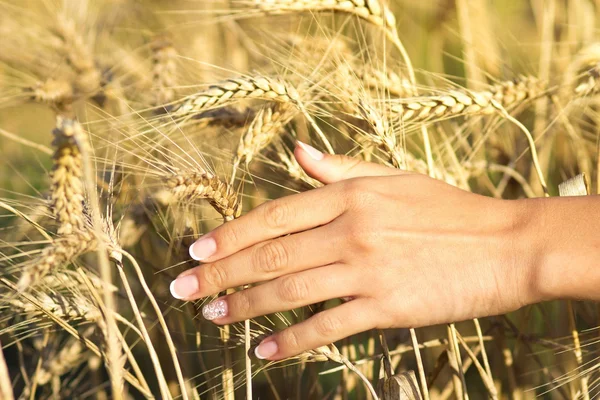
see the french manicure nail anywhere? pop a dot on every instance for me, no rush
(184, 287)
(215, 309)
(266, 350)
(311, 151)
(203, 248)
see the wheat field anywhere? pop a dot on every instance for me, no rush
(129, 128)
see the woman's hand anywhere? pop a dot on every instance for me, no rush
(408, 250)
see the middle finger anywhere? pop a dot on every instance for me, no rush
(285, 293)
(261, 262)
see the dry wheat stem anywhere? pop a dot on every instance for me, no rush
(161, 320)
(421, 369)
(5, 386)
(73, 332)
(163, 386)
(484, 355)
(488, 382)
(103, 243)
(331, 353)
(191, 186)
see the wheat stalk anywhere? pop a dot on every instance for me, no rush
(331, 353)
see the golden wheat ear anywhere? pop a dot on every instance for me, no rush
(193, 186)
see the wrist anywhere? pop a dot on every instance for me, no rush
(526, 248)
(560, 235)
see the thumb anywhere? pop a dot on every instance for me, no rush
(329, 168)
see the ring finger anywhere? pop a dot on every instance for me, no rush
(261, 262)
(285, 293)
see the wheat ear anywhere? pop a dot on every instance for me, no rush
(56, 93)
(388, 81)
(67, 198)
(55, 256)
(265, 127)
(372, 11)
(79, 55)
(382, 133)
(456, 103)
(268, 124)
(69, 357)
(67, 186)
(163, 70)
(223, 93)
(192, 186)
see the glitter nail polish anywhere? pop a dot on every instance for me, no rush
(215, 309)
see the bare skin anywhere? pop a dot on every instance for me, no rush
(409, 251)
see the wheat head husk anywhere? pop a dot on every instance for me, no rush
(221, 196)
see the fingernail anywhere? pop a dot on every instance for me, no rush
(184, 287)
(203, 248)
(266, 350)
(312, 152)
(215, 309)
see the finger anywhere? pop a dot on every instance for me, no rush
(285, 293)
(275, 218)
(329, 168)
(262, 262)
(319, 330)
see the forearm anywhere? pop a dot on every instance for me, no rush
(564, 236)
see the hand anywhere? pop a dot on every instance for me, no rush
(408, 250)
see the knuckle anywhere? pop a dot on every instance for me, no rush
(240, 304)
(289, 339)
(327, 326)
(357, 192)
(293, 289)
(271, 257)
(361, 236)
(276, 214)
(215, 275)
(229, 234)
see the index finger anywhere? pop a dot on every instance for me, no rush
(291, 214)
